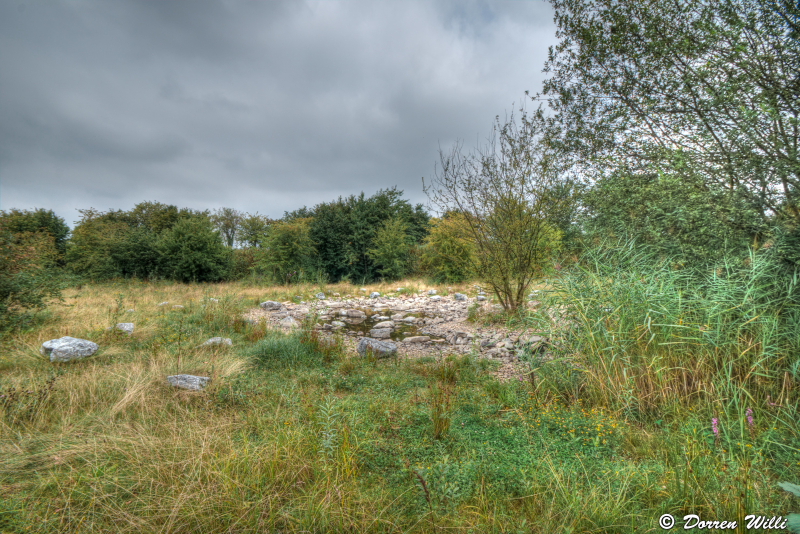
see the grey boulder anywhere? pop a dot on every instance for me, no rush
(374, 295)
(125, 327)
(68, 348)
(191, 382)
(460, 296)
(417, 339)
(320, 296)
(270, 305)
(381, 333)
(381, 349)
(384, 324)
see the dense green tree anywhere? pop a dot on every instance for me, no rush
(675, 217)
(288, 254)
(706, 92)
(120, 243)
(253, 230)
(391, 249)
(192, 251)
(344, 231)
(448, 253)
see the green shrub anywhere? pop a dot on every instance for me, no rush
(193, 251)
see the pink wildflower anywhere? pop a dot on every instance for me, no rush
(715, 426)
(750, 417)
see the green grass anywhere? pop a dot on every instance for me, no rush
(296, 434)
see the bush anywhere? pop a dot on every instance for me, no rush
(448, 254)
(28, 277)
(392, 249)
(192, 251)
(289, 252)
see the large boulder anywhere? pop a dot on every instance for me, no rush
(460, 296)
(68, 348)
(270, 305)
(356, 314)
(191, 382)
(381, 349)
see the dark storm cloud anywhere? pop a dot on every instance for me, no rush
(257, 105)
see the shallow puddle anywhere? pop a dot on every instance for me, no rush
(362, 326)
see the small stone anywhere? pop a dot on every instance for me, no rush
(337, 324)
(431, 292)
(384, 324)
(219, 341)
(397, 317)
(374, 295)
(436, 298)
(289, 322)
(480, 298)
(410, 320)
(177, 307)
(364, 289)
(417, 339)
(381, 349)
(211, 299)
(125, 327)
(130, 311)
(68, 348)
(163, 303)
(320, 296)
(381, 333)
(460, 296)
(355, 313)
(191, 382)
(270, 305)
(400, 289)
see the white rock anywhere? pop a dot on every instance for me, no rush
(431, 292)
(125, 327)
(436, 298)
(417, 339)
(219, 341)
(384, 324)
(289, 322)
(68, 348)
(191, 382)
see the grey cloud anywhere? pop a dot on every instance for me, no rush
(259, 105)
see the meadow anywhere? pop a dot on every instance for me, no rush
(654, 401)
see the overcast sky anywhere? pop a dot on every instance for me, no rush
(259, 105)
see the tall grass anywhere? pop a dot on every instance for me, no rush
(646, 336)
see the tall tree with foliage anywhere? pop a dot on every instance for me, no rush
(391, 249)
(508, 193)
(228, 222)
(288, 252)
(448, 253)
(703, 90)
